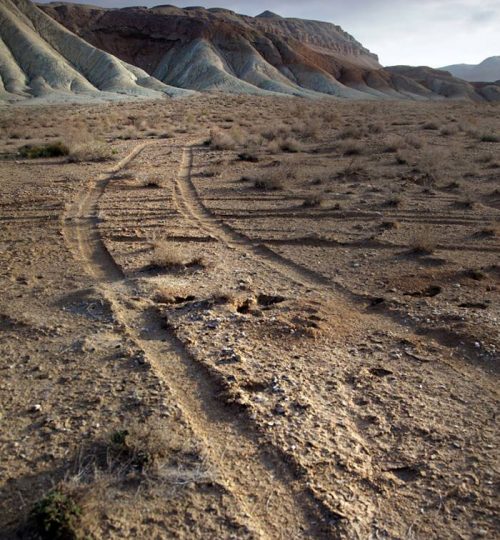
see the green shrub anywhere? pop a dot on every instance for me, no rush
(54, 149)
(56, 516)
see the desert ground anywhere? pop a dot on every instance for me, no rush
(245, 317)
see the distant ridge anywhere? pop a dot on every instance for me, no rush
(487, 71)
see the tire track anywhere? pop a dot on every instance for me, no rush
(272, 501)
(190, 204)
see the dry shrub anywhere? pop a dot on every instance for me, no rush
(350, 133)
(430, 126)
(138, 447)
(352, 171)
(154, 182)
(172, 295)
(375, 127)
(395, 202)
(169, 256)
(228, 140)
(430, 164)
(313, 201)
(392, 144)
(275, 179)
(446, 131)
(278, 131)
(221, 140)
(415, 141)
(288, 144)
(88, 148)
(423, 242)
(351, 148)
(403, 157)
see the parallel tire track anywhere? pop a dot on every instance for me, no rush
(272, 501)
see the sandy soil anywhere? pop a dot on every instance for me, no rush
(316, 355)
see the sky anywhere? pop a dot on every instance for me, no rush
(434, 33)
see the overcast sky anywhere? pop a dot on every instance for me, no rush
(415, 32)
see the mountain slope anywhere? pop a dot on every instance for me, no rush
(217, 49)
(59, 50)
(487, 71)
(41, 58)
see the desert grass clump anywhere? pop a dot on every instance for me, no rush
(350, 133)
(414, 141)
(430, 126)
(287, 144)
(55, 149)
(250, 156)
(90, 150)
(467, 202)
(490, 231)
(395, 202)
(137, 447)
(221, 140)
(352, 171)
(172, 295)
(423, 242)
(274, 179)
(270, 183)
(447, 131)
(392, 145)
(388, 225)
(154, 182)
(351, 148)
(168, 256)
(489, 137)
(403, 157)
(313, 201)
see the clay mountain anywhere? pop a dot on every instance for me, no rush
(487, 70)
(63, 49)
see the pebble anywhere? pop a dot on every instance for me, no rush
(36, 408)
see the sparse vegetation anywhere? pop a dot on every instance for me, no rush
(56, 516)
(313, 201)
(55, 149)
(90, 150)
(489, 137)
(168, 256)
(423, 242)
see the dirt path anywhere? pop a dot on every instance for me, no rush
(270, 498)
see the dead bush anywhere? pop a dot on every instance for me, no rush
(287, 144)
(392, 145)
(351, 148)
(90, 150)
(274, 179)
(350, 133)
(313, 201)
(423, 242)
(168, 256)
